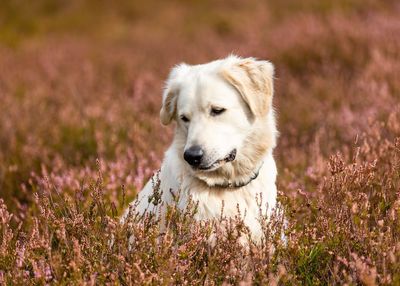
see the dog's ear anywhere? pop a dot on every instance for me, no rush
(253, 79)
(170, 94)
(168, 108)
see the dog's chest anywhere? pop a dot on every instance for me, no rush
(211, 203)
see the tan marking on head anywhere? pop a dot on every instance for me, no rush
(254, 81)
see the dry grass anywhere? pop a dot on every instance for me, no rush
(80, 93)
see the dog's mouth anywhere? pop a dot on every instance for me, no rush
(229, 158)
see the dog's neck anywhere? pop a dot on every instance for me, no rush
(232, 184)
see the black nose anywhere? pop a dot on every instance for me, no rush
(193, 155)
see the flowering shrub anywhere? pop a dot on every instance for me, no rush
(80, 87)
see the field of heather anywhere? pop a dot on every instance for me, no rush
(80, 93)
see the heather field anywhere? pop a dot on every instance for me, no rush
(80, 93)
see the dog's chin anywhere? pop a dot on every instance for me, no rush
(218, 163)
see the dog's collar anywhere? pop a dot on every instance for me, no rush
(236, 185)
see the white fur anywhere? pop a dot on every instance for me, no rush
(244, 87)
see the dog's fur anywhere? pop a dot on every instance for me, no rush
(244, 87)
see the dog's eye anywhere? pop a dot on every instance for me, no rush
(184, 118)
(217, 111)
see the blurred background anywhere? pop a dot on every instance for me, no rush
(82, 80)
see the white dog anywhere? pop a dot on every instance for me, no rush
(221, 155)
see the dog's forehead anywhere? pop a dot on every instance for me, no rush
(203, 88)
(212, 86)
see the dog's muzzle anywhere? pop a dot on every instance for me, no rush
(229, 158)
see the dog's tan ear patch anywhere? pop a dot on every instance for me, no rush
(168, 108)
(254, 81)
(171, 92)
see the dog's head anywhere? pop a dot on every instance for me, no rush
(224, 115)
